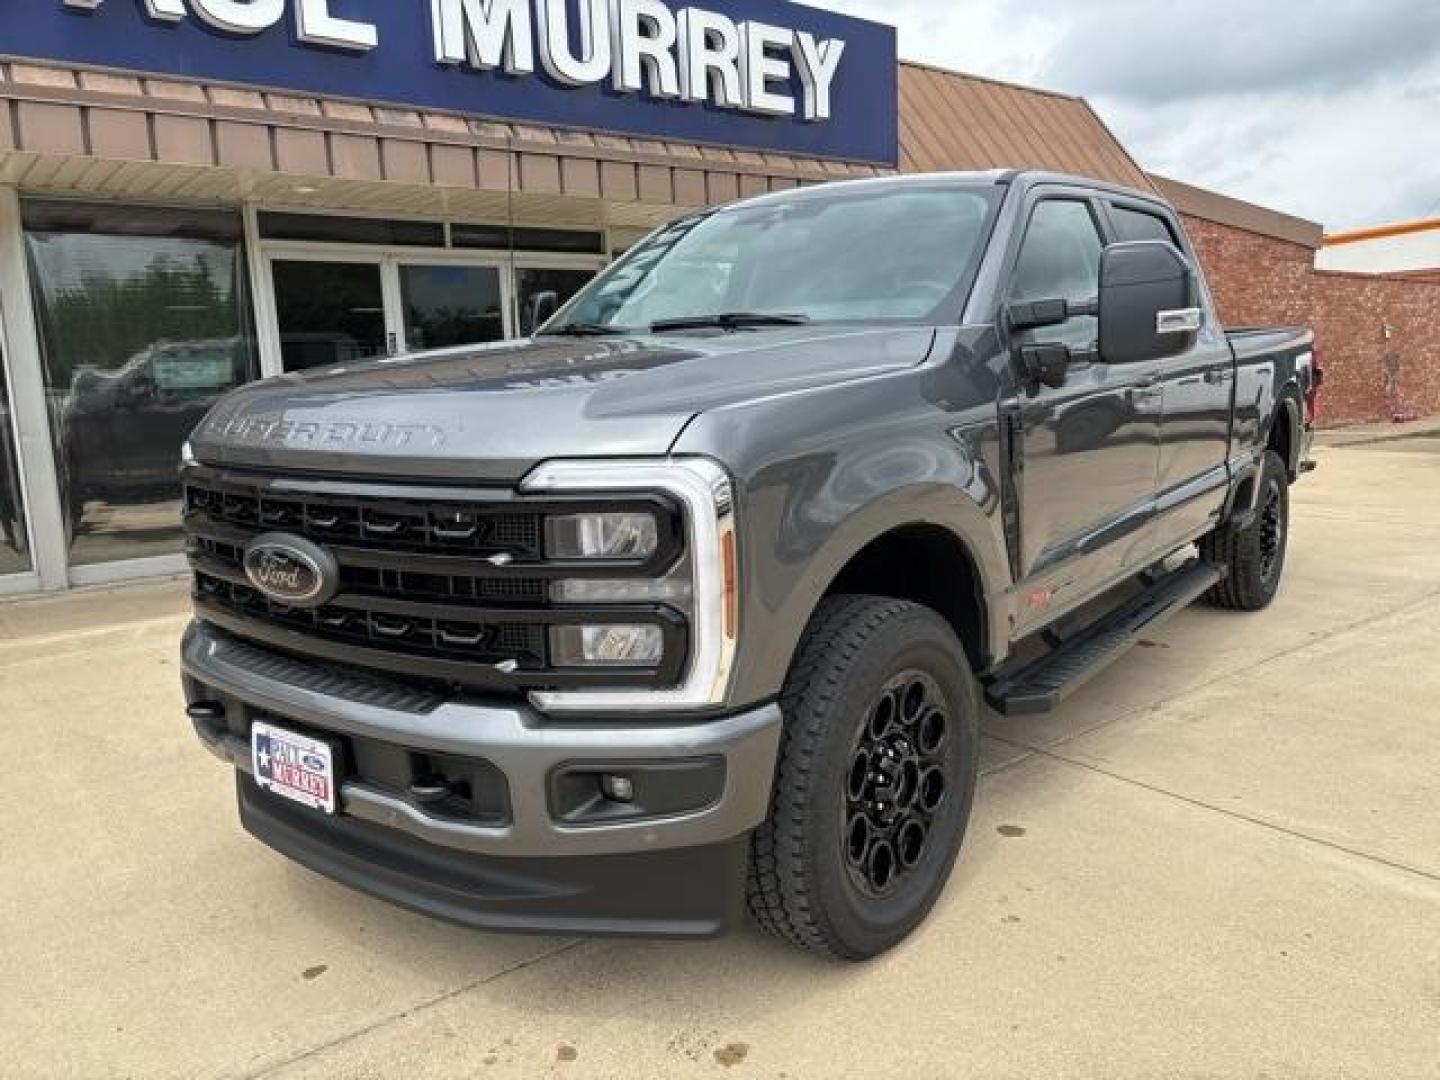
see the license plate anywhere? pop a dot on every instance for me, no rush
(294, 766)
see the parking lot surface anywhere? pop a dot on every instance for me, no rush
(1221, 859)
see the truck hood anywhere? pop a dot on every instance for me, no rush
(493, 412)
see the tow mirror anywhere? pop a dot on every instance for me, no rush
(1148, 302)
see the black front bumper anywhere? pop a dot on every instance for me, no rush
(679, 893)
(522, 857)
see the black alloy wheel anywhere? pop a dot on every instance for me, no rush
(1272, 525)
(1253, 556)
(896, 784)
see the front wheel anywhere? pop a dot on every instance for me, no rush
(1254, 557)
(875, 781)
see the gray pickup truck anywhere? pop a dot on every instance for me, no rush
(696, 597)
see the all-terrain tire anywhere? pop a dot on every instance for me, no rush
(861, 656)
(1254, 557)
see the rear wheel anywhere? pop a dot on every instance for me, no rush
(1254, 557)
(875, 780)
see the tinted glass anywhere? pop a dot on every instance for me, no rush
(41, 215)
(329, 313)
(327, 229)
(14, 546)
(1138, 225)
(531, 283)
(500, 238)
(139, 336)
(450, 305)
(1060, 260)
(888, 253)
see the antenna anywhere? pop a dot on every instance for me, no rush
(512, 168)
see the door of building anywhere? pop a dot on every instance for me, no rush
(337, 304)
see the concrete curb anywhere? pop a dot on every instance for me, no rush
(1371, 434)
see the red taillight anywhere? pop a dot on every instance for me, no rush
(1317, 380)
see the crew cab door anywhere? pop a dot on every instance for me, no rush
(1196, 391)
(1088, 448)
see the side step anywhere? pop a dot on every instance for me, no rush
(1040, 687)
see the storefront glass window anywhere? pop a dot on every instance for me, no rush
(329, 313)
(531, 283)
(14, 549)
(144, 322)
(450, 305)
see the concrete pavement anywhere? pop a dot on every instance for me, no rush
(1220, 859)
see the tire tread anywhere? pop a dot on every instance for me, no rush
(779, 879)
(1238, 551)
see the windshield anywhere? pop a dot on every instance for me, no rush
(892, 253)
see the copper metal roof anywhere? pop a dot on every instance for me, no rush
(953, 121)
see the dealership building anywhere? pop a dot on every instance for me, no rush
(198, 193)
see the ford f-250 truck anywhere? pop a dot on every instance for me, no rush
(698, 595)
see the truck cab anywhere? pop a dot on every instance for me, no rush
(693, 601)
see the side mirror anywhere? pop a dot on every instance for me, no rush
(542, 306)
(1148, 306)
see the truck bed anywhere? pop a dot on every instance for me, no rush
(1253, 341)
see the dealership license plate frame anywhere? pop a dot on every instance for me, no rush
(308, 759)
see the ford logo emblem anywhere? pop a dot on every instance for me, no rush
(291, 570)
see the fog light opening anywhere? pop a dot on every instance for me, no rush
(617, 788)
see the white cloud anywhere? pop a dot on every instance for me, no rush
(1328, 109)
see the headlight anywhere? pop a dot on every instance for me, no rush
(701, 586)
(602, 536)
(606, 646)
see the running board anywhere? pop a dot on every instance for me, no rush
(1040, 687)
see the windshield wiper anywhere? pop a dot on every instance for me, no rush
(586, 329)
(730, 320)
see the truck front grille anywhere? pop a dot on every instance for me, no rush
(435, 584)
(417, 634)
(399, 525)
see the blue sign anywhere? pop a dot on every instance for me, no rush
(759, 74)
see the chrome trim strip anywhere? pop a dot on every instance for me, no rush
(1180, 321)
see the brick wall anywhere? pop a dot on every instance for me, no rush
(1380, 334)
(1381, 337)
(1257, 280)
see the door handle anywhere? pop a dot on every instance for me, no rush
(1217, 377)
(1147, 382)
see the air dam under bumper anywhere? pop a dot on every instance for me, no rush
(675, 875)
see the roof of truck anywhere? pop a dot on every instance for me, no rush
(984, 179)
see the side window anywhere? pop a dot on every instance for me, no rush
(1138, 225)
(1060, 260)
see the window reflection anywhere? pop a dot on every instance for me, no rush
(139, 336)
(330, 314)
(450, 305)
(532, 282)
(14, 547)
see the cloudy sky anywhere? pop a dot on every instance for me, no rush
(1329, 109)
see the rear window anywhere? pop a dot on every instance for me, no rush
(1138, 225)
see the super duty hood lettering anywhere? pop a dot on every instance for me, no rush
(259, 430)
